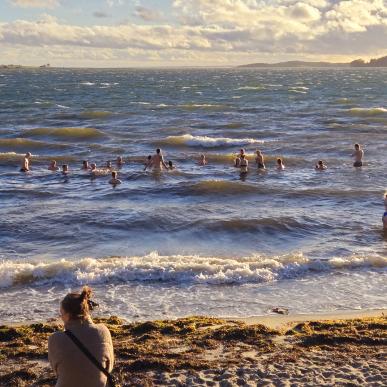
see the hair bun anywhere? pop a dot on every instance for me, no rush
(86, 293)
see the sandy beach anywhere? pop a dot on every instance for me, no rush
(342, 349)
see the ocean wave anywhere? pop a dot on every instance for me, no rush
(27, 144)
(209, 142)
(176, 268)
(219, 186)
(367, 112)
(66, 133)
(95, 114)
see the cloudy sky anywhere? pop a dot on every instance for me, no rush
(119, 33)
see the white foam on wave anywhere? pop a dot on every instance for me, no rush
(250, 88)
(210, 142)
(88, 83)
(176, 268)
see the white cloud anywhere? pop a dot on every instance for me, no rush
(147, 14)
(35, 3)
(218, 31)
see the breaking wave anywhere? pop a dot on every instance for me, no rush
(209, 142)
(177, 268)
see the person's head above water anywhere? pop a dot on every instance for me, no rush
(93, 166)
(258, 152)
(28, 155)
(149, 157)
(65, 168)
(120, 160)
(53, 164)
(320, 162)
(158, 151)
(114, 175)
(170, 163)
(242, 151)
(85, 164)
(77, 306)
(357, 146)
(279, 161)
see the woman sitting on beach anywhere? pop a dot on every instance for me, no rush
(69, 362)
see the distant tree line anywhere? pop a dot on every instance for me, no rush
(380, 62)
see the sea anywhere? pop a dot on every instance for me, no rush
(195, 240)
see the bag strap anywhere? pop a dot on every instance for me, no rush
(90, 356)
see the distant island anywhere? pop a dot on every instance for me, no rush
(12, 66)
(380, 62)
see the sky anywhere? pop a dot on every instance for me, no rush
(152, 33)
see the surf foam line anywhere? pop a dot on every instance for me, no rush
(177, 269)
(209, 142)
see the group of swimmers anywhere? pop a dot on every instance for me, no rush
(157, 162)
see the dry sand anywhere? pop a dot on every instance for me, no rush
(340, 349)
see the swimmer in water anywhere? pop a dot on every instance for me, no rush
(120, 161)
(358, 155)
(259, 160)
(53, 166)
(85, 165)
(25, 167)
(202, 161)
(65, 169)
(280, 165)
(237, 160)
(244, 163)
(158, 161)
(148, 162)
(114, 180)
(320, 166)
(171, 167)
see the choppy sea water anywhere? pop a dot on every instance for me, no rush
(197, 240)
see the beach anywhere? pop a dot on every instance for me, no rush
(343, 349)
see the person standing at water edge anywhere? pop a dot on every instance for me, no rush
(25, 167)
(158, 160)
(358, 155)
(260, 160)
(71, 366)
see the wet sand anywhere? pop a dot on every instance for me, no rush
(341, 349)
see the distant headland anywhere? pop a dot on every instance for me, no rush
(12, 66)
(380, 62)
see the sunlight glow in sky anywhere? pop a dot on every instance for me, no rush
(125, 33)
